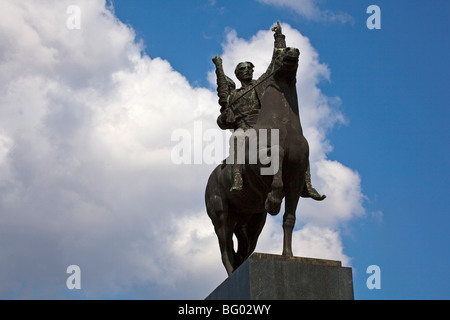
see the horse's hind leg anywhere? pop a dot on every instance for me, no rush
(242, 248)
(218, 212)
(254, 229)
(224, 231)
(247, 236)
(225, 236)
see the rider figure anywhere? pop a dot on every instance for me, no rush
(240, 107)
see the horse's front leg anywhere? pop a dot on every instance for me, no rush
(275, 196)
(291, 202)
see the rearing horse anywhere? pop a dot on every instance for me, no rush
(244, 213)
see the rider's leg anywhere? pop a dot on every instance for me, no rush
(309, 191)
(237, 152)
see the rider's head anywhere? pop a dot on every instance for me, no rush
(244, 71)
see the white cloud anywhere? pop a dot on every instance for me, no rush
(310, 241)
(86, 175)
(310, 10)
(85, 145)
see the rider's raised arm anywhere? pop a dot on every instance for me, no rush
(224, 84)
(279, 43)
(280, 38)
(225, 88)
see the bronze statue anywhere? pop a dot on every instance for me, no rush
(240, 108)
(238, 196)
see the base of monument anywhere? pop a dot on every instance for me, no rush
(273, 277)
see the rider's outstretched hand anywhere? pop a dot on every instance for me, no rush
(217, 60)
(277, 28)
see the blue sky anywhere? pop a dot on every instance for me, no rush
(393, 84)
(85, 142)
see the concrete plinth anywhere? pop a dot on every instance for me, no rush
(273, 277)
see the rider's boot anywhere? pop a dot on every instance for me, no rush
(309, 191)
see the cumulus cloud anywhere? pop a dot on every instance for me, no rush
(310, 10)
(85, 142)
(310, 241)
(86, 174)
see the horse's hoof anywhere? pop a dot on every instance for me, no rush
(272, 205)
(287, 253)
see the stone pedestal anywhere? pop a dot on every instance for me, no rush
(273, 277)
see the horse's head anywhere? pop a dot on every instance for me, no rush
(287, 64)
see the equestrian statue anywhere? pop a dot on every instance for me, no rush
(269, 156)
